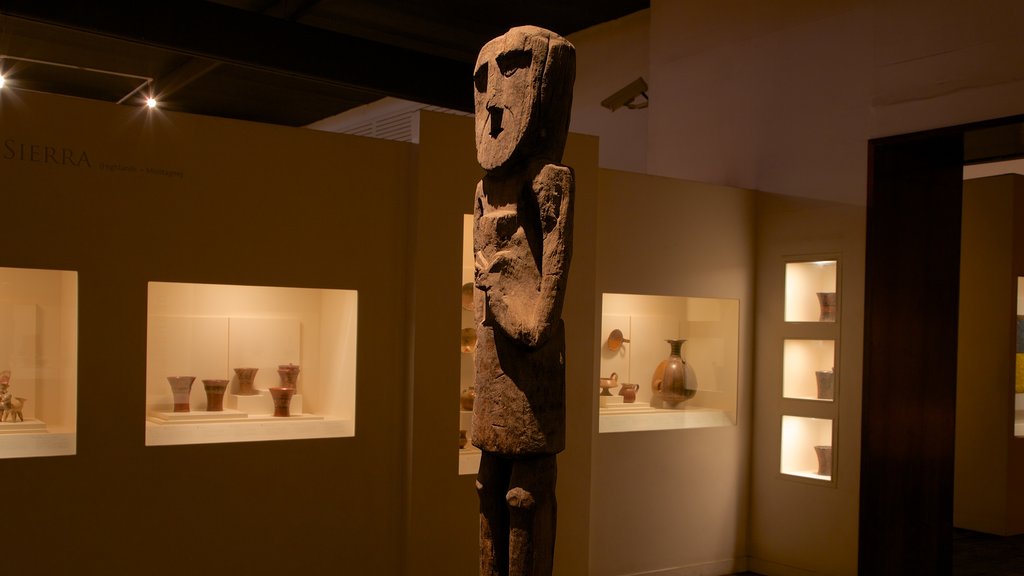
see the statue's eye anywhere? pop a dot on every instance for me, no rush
(480, 78)
(511, 62)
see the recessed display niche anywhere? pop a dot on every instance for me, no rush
(808, 369)
(469, 455)
(667, 362)
(811, 291)
(231, 363)
(38, 362)
(807, 447)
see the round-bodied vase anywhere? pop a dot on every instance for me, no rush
(282, 396)
(628, 392)
(246, 378)
(215, 394)
(467, 397)
(678, 381)
(181, 388)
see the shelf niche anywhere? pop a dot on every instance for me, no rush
(710, 327)
(208, 330)
(807, 447)
(808, 370)
(39, 355)
(809, 285)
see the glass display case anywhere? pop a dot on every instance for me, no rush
(807, 447)
(38, 362)
(667, 362)
(248, 363)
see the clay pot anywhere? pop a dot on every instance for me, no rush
(246, 377)
(463, 440)
(181, 387)
(467, 397)
(616, 340)
(282, 396)
(678, 380)
(824, 454)
(467, 296)
(606, 384)
(468, 340)
(826, 384)
(289, 374)
(215, 394)
(628, 393)
(827, 304)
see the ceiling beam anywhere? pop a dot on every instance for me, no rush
(243, 38)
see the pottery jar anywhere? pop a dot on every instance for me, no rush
(181, 388)
(282, 396)
(215, 394)
(246, 377)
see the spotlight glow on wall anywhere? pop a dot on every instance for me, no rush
(2, 80)
(151, 102)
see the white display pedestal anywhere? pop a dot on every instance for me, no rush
(23, 426)
(260, 403)
(610, 400)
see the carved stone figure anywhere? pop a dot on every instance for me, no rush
(522, 243)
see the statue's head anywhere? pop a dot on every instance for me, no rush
(523, 98)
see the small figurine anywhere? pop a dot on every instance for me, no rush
(10, 407)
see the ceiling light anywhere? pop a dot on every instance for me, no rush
(151, 102)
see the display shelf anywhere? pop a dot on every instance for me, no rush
(808, 369)
(810, 291)
(302, 338)
(38, 362)
(469, 457)
(635, 348)
(807, 448)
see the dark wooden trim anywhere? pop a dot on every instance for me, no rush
(910, 334)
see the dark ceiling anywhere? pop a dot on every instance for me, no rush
(287, 62)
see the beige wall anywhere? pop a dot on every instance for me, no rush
(674, 501)
(238, 203)
(782, 96)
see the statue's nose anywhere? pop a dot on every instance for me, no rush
(496, 114)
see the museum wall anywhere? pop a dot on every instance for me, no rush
(801, 522)
(783, 96)
(609, 57)
(128, 197)
(674, 501)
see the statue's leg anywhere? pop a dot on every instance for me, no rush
(532, 515)
(491, 485)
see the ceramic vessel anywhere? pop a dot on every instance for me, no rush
(467, 296)
(181, 387)
(616, 340)
(282, 396)
(824, 454)
(826, 384)
(246, 377)
(678, 381)
(463, 440)
(289, 374)
(215, 394)
(468, 340)
(827, 304)
(606, 384)
(628, 392)
(467, 397)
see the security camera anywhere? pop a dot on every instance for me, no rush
(628, 96)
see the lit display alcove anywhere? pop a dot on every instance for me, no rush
(635, 330)
(811, 291)
(807, 447)
(207, 331)
(808, 369)
(38, 362)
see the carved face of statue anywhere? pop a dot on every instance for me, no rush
(507, 80)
